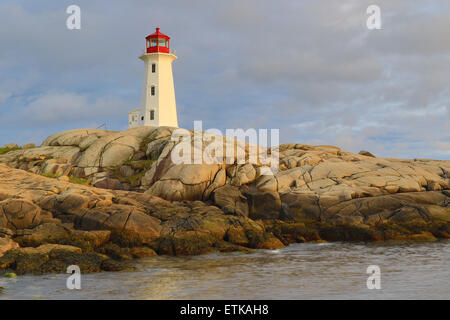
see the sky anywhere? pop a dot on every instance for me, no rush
(310, 68)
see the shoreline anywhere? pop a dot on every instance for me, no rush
(303, 271)
(67, 201)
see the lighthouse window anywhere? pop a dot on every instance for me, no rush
(152, 114)
(153, 68)
(148, 43)
(153, 90)
(162, 42)
(153, 43)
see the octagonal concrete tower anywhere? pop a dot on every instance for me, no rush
(158, 106)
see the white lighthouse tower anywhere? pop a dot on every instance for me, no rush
(158, 107)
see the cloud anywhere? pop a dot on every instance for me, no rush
(54, 107)
(4, 96)
(310, 68)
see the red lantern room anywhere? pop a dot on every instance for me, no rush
(157, 42)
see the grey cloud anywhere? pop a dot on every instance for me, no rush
(310, 68)
(69, 107)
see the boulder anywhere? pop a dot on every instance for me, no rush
(45, 233)
(366, 153)
(424, 236)
(264, 205)
(75, 137)
(28, 146)
(108, 183)
(10, 146)
(237, 235)
(7, 244)
(230, 199)
(160, 133)
(112, 265)
(138, 228)
(19, 214)
(266, 183)
(299, 206)
(118, 151)
(109, 151)
(142, 252)
(219, 181)
(65, 153)
(87, 240)
(182, 182)
(155, 148)
(38, 260)
(244, 174)
(66, 202)
(398, 207)
(128, 224)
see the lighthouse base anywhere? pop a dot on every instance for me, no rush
(134, 119)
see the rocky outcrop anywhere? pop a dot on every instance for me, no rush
(108, 224)
(118, 191)
(51, 258)
(140, 159)
(11, 145)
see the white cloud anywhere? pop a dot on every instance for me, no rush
(66, 107)
(256, 63)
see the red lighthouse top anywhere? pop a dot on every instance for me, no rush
(157, 42)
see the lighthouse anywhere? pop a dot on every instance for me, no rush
(158, 106)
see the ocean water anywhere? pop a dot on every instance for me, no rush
(300, 271)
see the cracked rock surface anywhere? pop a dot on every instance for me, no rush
(116, 194)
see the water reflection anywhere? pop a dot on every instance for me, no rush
(300, 271)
